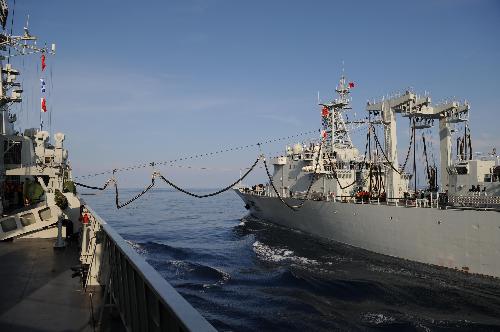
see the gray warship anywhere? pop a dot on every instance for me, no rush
(63, 268)
(330, 189)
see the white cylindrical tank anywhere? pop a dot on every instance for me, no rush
(59, 139)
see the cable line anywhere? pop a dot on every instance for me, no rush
(157, 175)
(139, 166)
(170, 183)
(390, 162)
(119, 206)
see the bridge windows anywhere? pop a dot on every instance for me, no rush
(27, 219)
(8, 225)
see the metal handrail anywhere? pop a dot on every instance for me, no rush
(170, 310)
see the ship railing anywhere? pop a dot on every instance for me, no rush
(431, 202)
(143, 298)
(474, 201)
(427, 202)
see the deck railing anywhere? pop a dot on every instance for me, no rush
(144, 299)
(475, 200)
(454, 202)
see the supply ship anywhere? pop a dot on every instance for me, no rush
(63, 268)
(368, 199)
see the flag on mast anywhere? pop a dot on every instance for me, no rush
(43, 62)
(324, 111)
(42, 85)
(43, 105)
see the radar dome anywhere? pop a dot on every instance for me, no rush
(297, 148)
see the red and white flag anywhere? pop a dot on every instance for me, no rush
(43, 62)
(351, 85)
(324, 111)
(43, 105)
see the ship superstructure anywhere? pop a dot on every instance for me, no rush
(94, 280)
(368, 198)
(35, 176)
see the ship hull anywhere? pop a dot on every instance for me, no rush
(467, 240)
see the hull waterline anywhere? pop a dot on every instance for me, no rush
(452, 238)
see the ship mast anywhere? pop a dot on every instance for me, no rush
(335, 131)
(20, 46)
(10, 90)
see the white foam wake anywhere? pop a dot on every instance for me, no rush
(278, 255)
(138, 248)
(378, 318)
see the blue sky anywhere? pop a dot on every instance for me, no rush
(157, 80)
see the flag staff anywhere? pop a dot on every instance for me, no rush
(43, 102)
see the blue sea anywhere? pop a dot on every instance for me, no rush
(244, 274)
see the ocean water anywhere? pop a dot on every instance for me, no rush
(250, 275)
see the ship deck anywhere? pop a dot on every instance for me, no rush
(37, 292)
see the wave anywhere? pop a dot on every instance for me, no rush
(279, 255)
(159, 251)
(377, 318)
(137, 247)
(195, 275)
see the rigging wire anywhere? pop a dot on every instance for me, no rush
(208, 154)
(157, 174)
(50, 97)
(12, 25)
(427, 169)
(414, 157)
(387, 159)
(117, 202)
(170, 163)
(170, 183)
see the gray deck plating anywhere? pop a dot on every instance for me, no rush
(37, 292)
